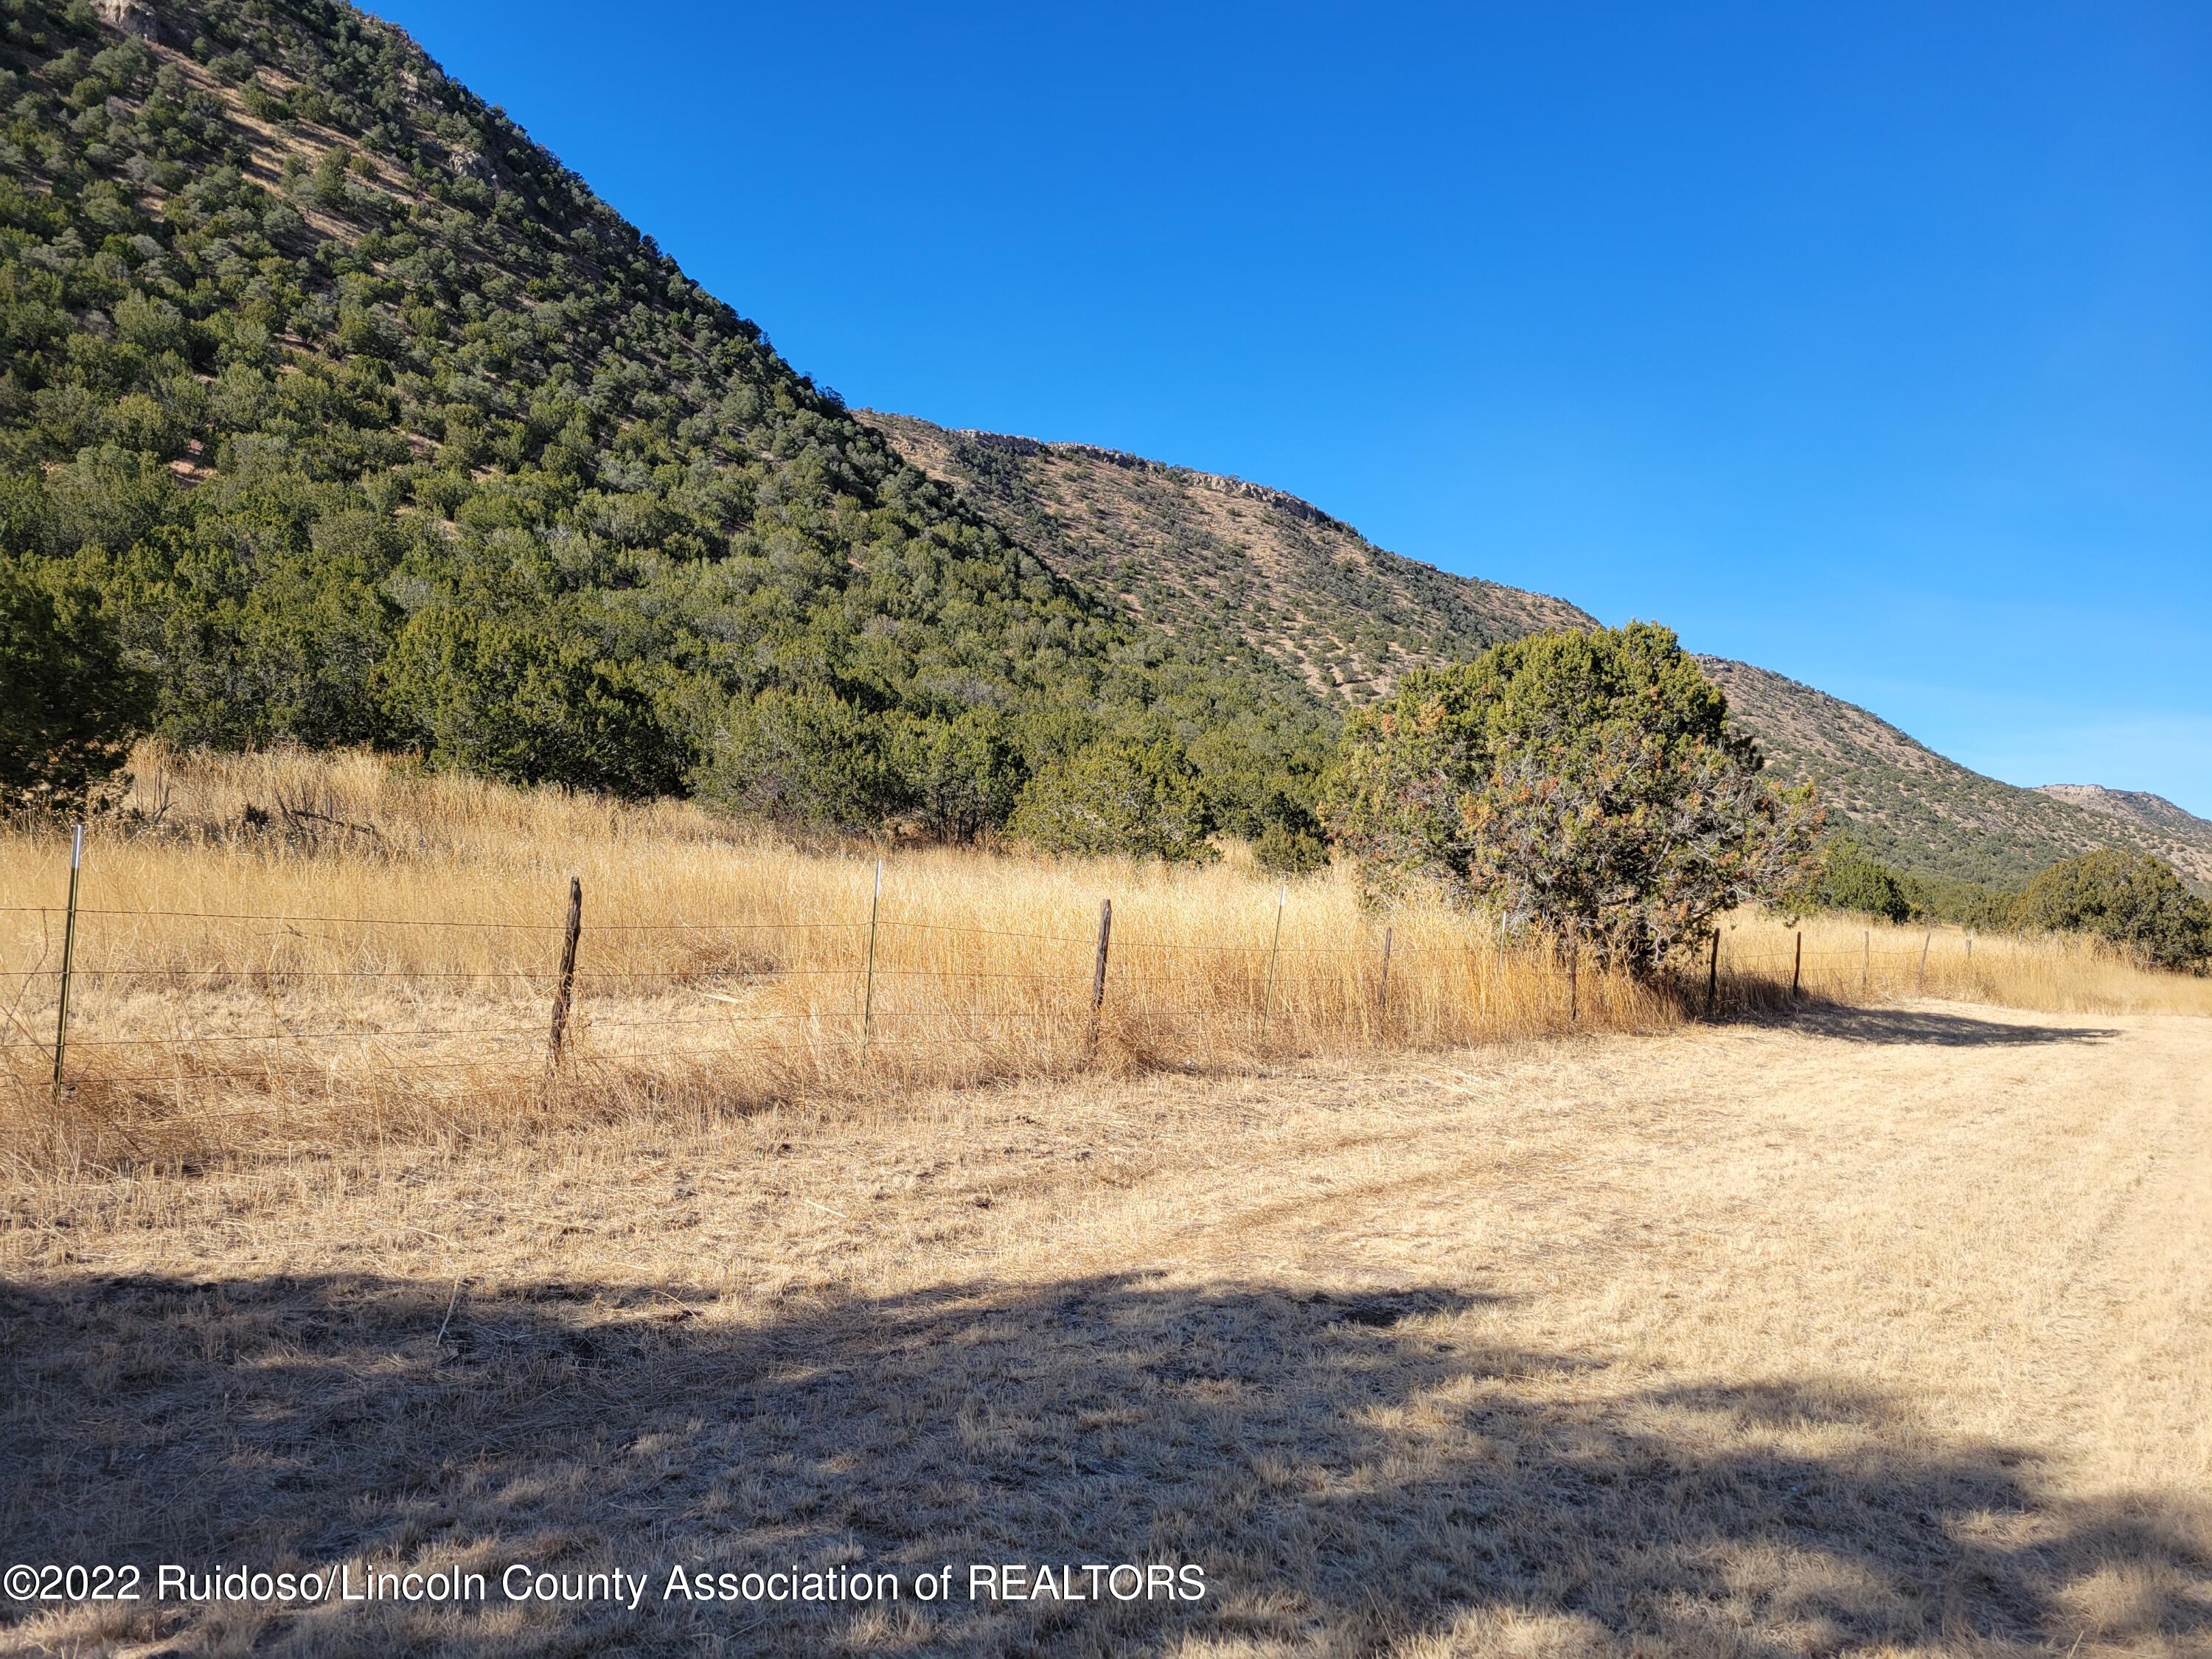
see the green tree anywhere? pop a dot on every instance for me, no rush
(2137, 902)
(1120, 795)
(800, 757)
(1280, 850)
(1848, 879)
(959, 776)
(68, 705)
(529, 699)
(1573, 780)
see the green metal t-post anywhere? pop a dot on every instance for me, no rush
(868, 994)
(1267, 994)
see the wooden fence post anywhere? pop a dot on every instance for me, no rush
(1798, 965)
(1267, 993)
(1866, 966)
(868, 991)
(565, 985)
(68, 959)
(1922, 983)
(1970, 945)
(1713, 969)
(1098, 967)
(1382, 993)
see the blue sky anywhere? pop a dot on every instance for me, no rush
(1872, 344)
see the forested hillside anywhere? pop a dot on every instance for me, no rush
(367, 421)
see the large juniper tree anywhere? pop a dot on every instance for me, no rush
(1574, 781)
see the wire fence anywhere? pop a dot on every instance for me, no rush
(756, 986)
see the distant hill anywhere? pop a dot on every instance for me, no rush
(2190, 834)
(1914, 809)
(1211, 557)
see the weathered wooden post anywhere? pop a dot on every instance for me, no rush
(1866, 966)
(565, 982)
(1797, 966)
(68, 959)
(1382, 992)
(1098, 967)
(1713, 969)
(1921, 984)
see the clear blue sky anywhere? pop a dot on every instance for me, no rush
(1871, 343)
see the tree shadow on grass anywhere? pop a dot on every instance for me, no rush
(1354, 1474)
(1927, 1027)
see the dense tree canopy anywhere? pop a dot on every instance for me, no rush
(69, 706)
(1573, 780)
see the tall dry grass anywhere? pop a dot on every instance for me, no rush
(277, 949)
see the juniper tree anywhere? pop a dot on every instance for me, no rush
(1583, 781)
(2132, 899)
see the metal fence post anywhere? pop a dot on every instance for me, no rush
(868, 994)
(1267, 993)
(1574, 989)
(69, 958)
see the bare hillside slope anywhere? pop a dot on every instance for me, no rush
(1197, 554)
(2133, 806)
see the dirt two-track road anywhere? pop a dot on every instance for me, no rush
(1878, 1331)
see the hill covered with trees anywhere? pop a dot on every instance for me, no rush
(364, 421)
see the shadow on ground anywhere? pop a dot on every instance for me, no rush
(1929, 1028)
(1356, 1474)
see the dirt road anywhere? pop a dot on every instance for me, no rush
(1882, 1331)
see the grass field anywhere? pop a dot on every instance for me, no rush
(299, 950)
(1460, 1320)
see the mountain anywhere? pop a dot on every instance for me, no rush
(370, 423)
(1207, 557)
(365, 422)
(1211, 557)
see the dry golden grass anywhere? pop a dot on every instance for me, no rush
(1872, 1331)
(376, 957)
